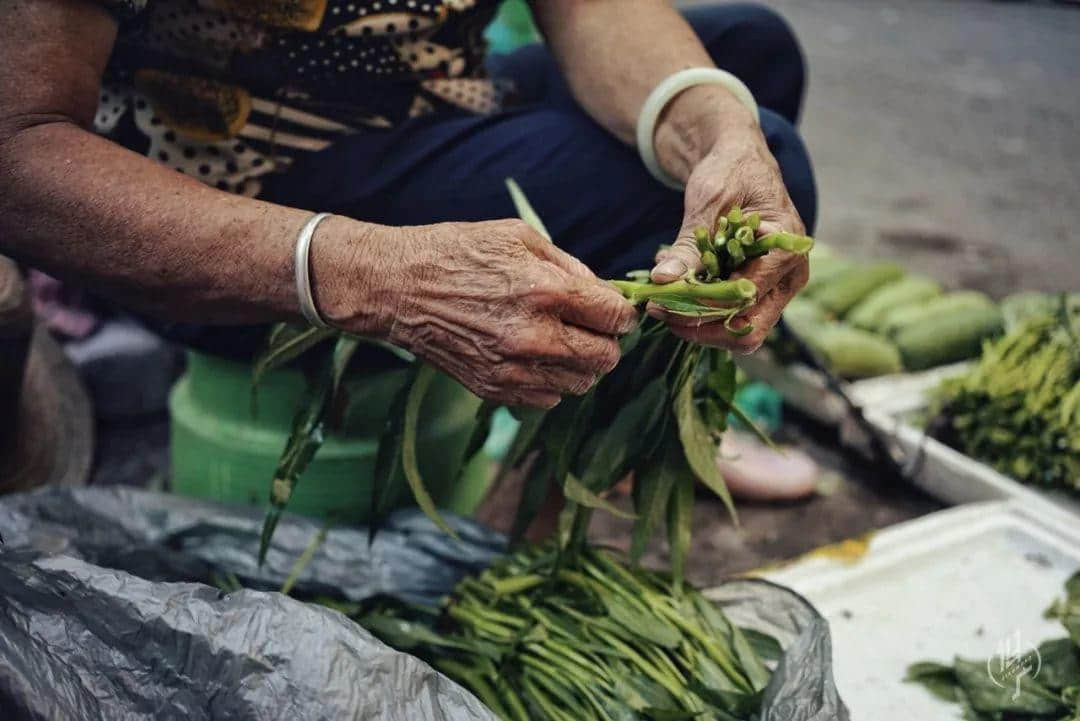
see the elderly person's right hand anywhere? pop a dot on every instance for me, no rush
(494, 304)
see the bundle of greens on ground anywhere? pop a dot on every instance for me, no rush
(1018, 409)
(549, 636)
(1034, 687)
(873, 319)
(657, 415)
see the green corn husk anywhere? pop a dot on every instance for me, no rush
(546, 636)
(849, 352)
(870, 311)
(824, 268)
(1019, 408)
(947, 338)
(801, 311)
(844, 290)
(915, 314)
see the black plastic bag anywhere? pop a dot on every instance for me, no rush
(163, 537)
(80, 642)
(95, 627)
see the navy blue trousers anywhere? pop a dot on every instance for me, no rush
(592, 191)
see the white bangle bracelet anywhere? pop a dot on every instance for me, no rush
(664, 93)
(303, 271)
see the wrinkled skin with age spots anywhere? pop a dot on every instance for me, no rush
(494, 304)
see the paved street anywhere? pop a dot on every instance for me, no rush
(946, 133)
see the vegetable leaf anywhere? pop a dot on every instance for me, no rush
(986, 696)
(680, 521)
(524, 208)
(622, 439)
(534, 491)
(285, 343)
(580, 494)
(305, 439)
(417, 391)
(699, 447)
(389, 477)
(652, 489)
(480, 432)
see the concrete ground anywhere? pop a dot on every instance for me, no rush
(945, 133)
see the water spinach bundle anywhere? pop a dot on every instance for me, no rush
(658, 415)
(545, 636)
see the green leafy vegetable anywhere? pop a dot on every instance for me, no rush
(1027, 687)
(417, 391)
(587, 639)
(1019, 408)
(585, 445)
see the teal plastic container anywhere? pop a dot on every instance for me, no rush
(511, 28)
(221, 452)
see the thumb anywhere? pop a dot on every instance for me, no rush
(674, 262)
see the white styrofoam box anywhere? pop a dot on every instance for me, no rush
(951, 476)
(962, 581)
(887, 403)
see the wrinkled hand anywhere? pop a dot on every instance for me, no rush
(738, 171)
(500, 308)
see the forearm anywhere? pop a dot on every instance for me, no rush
(615, 52)
(84, 208)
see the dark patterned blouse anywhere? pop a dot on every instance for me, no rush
(228, 90)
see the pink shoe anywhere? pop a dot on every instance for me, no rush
(755, 472)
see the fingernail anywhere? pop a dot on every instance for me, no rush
(668, 271)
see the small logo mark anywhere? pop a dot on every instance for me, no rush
(1016, 658)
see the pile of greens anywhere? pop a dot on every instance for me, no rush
(1049, 688)
(548, 636)
(657, 415)
(566, 631)
(1018, 409)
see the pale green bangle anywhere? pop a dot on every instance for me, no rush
(664, 93)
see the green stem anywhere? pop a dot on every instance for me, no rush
(734, 291)
(781, 241)
(517, 584)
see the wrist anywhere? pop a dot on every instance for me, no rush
(695, 122)
(347, 276)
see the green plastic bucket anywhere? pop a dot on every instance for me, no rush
(222, 452)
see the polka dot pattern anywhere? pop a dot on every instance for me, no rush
(184, 29)
(232, 165)
(329, 57)
(358, 64)
(476, 96)
(112, 102)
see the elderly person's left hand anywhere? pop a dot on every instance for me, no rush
(705, 138)
(737, 170)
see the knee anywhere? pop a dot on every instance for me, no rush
(776, 38)
(764, 42)
(766, 27)
(795, 165)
